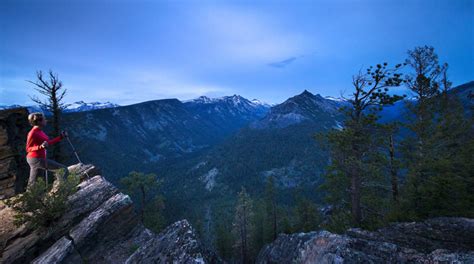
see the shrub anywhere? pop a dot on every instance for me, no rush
(38, 206)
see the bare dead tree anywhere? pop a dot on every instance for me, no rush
(52, 88)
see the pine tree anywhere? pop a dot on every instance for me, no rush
(260, 223)
(224, 239)
(144, 185)
(423, 82)
(243, 227)
(439, 179)
(355, 177)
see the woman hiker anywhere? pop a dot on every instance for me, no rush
(36, 145)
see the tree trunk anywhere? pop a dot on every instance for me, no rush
(56, 130)
(393, 171)
(355, 198)
(355, 172)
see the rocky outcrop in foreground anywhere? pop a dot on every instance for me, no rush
(438, 240)
(100, 226)
(13, 168)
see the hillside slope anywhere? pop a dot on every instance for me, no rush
(150, 134)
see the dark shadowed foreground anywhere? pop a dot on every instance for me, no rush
(437, 240)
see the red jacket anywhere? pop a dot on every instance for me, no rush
(35, 138)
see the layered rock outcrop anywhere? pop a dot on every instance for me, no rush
(13, 167)
(437, 240)
(100, 226)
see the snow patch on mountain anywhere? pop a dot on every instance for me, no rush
(201, 99)
(81, 106)
(235, 100)
(258, 102)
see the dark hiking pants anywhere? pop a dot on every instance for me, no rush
(37, 164)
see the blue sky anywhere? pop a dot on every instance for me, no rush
(132, 51)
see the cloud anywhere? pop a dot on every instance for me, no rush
(283, 63)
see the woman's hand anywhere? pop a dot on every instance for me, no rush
(64, 134)
(44, 145)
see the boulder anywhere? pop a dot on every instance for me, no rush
(176, 244)
(437, 240)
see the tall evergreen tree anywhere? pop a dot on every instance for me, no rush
(143, 185)
(438, 178)
(224, 239)
(355, 173)
(243, 227)
(260, 223)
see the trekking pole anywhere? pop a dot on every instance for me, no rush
(46, 166)
(75, 153)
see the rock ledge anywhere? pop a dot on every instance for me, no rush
(100, 226)
(437, 240)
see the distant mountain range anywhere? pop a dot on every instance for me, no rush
(79, 106)
(205, 149)
(82, 106)
(281, 144)
(209, 147)
(150, 134)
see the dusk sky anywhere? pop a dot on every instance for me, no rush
(133, 51)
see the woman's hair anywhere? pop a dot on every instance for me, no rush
(35, 118)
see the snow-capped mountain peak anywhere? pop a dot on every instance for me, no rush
(259, 102)
(235, 100)
(78, 106)
(81, 106)
(201, 99)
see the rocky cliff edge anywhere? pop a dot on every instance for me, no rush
(100, 226)
(436, 240)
